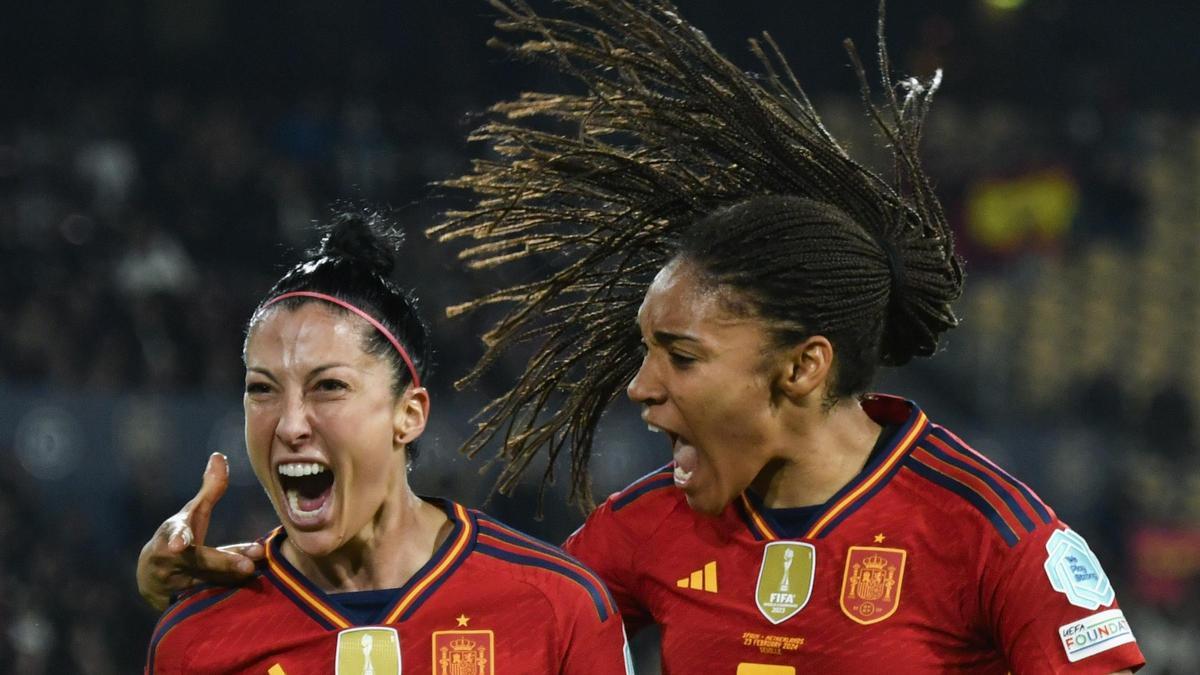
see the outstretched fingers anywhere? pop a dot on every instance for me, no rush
(176, 558)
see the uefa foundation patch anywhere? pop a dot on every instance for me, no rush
(1095, 634)
(1075, 572)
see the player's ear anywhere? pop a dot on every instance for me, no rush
(410, 415)
(805, 369)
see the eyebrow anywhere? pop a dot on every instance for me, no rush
(666, 339)
(315, 371)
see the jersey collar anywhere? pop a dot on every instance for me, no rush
(878, 471)
(327, 612)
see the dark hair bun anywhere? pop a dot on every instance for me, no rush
(923, 296)
(363, 237)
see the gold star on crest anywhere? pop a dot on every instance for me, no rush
(879, 538)
(462, 620)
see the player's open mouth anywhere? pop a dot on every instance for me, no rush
(686, 459)
(684, 453)
(308, 491)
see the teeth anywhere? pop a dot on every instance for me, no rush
(654, 429)
(293, 498)
(296, 469)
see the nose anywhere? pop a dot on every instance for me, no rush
(293, 427)
(645, 387)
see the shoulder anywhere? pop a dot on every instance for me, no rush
(622, 523)
(644, 504)
(193, 610)
(543, 568)
(978, 489)
(650, 491)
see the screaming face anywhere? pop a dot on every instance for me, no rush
(705, 382)
(324, 431)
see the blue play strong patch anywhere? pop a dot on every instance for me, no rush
(1075, 572)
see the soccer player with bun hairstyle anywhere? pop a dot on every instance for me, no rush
(363, 575)
(730, 267)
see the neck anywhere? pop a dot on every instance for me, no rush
(824, 449)
(399, 540)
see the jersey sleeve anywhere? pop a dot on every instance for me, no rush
(609, 543)
(1052, 609)
(173, 633)
(597, 647)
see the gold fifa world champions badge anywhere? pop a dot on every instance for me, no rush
(871, 583)
(785, 579)
(374, 650)
(464, 652)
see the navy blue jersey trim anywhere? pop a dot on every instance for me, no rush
(1036, 504)
(866, 497)
(184, 613)
(597, 594)
(186, 593)
(498, 530)
(971, 496)
(740, 507)
(300, 602)
(495, 528)
(630, 496)
(362, 607)
(445, 575)
(983, 476)
(276, 544)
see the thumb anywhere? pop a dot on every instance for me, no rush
(212, 488)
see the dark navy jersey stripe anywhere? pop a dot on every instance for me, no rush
(364, 607)
(748, 520)
(470, 522)
(597, 595)
(973, 497)
(1036, 504)
(498, 531)
(960, 463)
(502, 532)
(184, 613)
(865, 497)
(332, 605)
(628, 498)
(301, 602)
(495, 528)
(441, 578)
(186, 593)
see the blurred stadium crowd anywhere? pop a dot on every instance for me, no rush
(143, 214)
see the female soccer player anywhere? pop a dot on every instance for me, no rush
(733, 270)
(363, 576)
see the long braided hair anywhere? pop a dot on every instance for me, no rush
(672, 150)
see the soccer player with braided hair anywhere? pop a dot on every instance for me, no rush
(729, 266)
(738, 274)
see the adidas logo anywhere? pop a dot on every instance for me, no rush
(704, 579)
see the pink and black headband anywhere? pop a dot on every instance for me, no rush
(412, 370)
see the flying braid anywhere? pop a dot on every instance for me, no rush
(664, 131)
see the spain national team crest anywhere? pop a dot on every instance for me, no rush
(374, 650)
(871, 583)
(785, 579)
(464, 652)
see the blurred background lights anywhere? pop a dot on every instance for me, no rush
(47, 442)
(1006, 5)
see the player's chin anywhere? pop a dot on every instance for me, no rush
(314, 544)
(708, 502)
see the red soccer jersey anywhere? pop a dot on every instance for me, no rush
(932, 560)
(491, 600)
